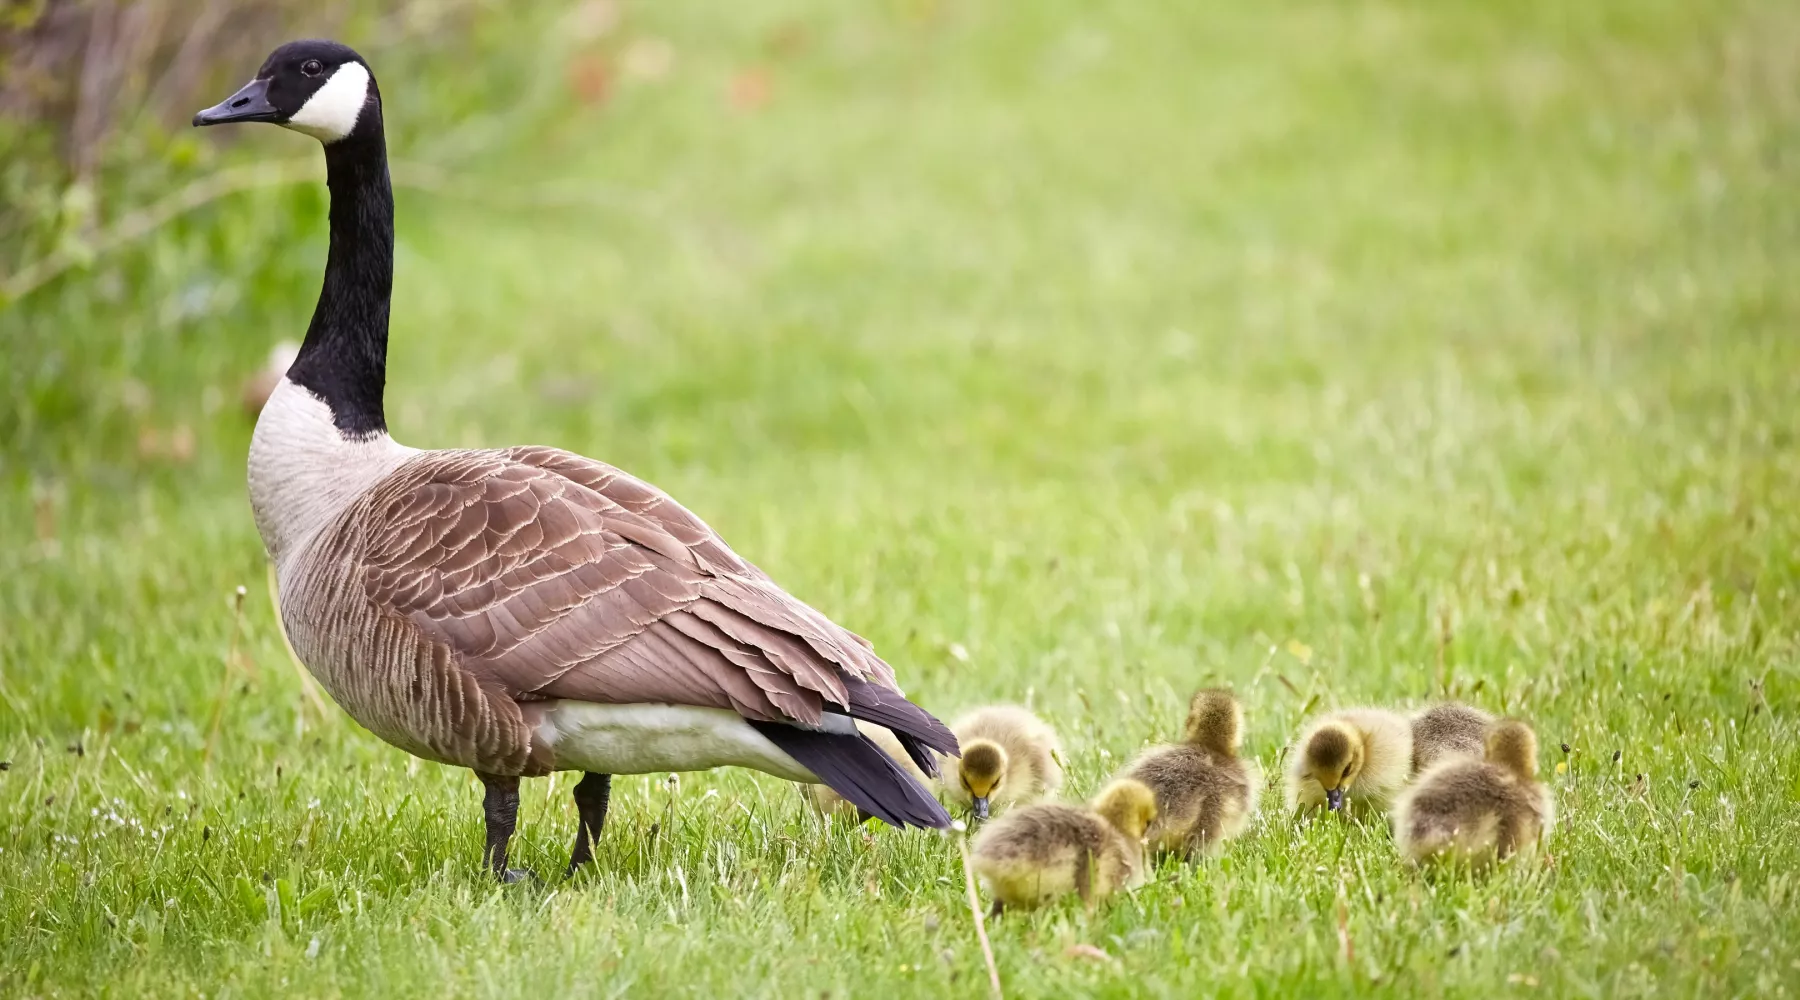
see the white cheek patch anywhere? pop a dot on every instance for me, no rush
(331, 112)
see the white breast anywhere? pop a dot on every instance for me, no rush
(640, 739)
(304, 471)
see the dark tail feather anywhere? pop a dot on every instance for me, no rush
(916, 729)
(920, 754)
(857, 769)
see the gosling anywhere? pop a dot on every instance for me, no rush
(1039, 852)
(1447, 730)
(1205, 793)
(829, 803)
(1360, 753)
(1009, 757)
(1478, 811)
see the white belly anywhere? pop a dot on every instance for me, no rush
(639, 739)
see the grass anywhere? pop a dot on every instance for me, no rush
(1076, 354)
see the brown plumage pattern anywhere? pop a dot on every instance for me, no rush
(467, 585)
(1447, 730)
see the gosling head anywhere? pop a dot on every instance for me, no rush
(1215, 721)
(982, 772)
(1333, 757)
(317, 87)
(1129, 806)
(1512, 745)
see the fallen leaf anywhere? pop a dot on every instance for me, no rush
(181, 444)
(1086, 951)
(590, 79)
(258, 387)
(749, 90)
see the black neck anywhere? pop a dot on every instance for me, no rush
(344, 358)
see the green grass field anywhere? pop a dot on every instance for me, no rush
(1077, 354)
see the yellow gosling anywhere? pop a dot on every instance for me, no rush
(1009, 757)
(1447, 730)
(1205, 793)
(1363, 754)
(1040, 852)
(1478, 811)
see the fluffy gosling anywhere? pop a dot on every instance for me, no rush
(1447, 730)
(1009, 756)
(1038, 852)
(1205, 792)
(830, 803)
(1478, 811)
(1361, 753)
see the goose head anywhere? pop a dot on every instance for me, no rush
(314, 86)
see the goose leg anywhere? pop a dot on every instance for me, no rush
(591, 795)
(500, 807)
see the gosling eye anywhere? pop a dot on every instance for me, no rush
(1346, 770)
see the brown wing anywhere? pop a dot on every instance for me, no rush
(554, 576)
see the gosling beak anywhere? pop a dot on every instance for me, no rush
(981, 807)
(250, 104)
(1334, 798)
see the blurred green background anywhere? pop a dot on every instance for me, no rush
(1076, 353)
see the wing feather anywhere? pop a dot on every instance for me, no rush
(549, 575)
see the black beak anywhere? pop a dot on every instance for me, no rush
(250, 104)
(1334, 798)
(981, 807)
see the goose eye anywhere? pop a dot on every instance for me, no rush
(312, 67)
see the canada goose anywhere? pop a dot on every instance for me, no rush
(1009, 756)
(1360, 752)
(1205, 792)
(1477, 810)
(525, 610)
(1038, 852)
(829, 802)
(1447, 729)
